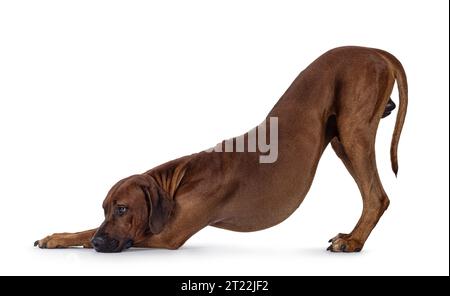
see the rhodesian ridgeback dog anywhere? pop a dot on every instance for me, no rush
(338, 99)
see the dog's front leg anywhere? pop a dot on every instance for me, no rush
(177, 232)
(65, 240)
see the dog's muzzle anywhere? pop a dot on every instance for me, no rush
(106, 244)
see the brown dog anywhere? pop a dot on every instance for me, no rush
(340, 98)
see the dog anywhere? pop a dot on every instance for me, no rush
(338, 99)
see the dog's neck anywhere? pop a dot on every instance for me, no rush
(169, 176)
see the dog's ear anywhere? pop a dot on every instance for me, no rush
(160, 206)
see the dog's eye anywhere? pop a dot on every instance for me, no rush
(120, 210)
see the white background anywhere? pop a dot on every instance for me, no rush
(94, 91)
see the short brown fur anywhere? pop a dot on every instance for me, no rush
(338, 99)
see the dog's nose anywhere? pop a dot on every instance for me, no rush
(97, 242)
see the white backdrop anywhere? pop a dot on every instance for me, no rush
(94, 91)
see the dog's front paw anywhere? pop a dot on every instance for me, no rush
(53, 241)
(344, 243)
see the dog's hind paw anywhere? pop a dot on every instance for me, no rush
(344, 243)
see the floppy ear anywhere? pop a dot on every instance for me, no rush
(160, 206)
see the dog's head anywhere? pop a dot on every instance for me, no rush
(134, 208)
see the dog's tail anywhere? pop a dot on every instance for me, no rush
(402, 84)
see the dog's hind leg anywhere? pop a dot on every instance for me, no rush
(356, 125)
(340, 152)
(357, 152)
